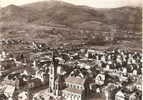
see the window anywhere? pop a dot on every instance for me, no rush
(71, 85)
(78, 87)
(81, 88)
(74, 86)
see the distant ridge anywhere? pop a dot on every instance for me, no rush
(57, 23)
(58, 12)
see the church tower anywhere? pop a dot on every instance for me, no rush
(58, 86)
(52, 73)
(59, 82)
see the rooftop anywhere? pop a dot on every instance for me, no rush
(75, 80)
(71, 90)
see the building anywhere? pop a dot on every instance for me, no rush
(138, 84)
(126, 95)
(9, 92)
(110, 91)
(59, 85)
(33, 83)
(53, 76)
(7, 64)
(133, 97)
(100, 79)
(24, 95)
(75, 89)
(120, 95)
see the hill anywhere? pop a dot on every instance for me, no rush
(33, 21)
(17, 14)
(61, 13)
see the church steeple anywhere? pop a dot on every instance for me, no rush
(52, 72)
(51, 78)
(58, 85)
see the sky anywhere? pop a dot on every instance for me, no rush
(91, 3)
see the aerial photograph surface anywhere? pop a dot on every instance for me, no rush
(71, 50)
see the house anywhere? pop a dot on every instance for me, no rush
(125, 94)
(3, 54)
(133, 96)
(61, 60)
(75, 89)
(100, 79)
(120, 95)
(7, 64)
(15, 82)
(33, 83)
(123, 78)
(40, 75)
(110, 91)
(89, 53)
(9, 91)
(130, 87)
(24, 95)
(135, 72)
(138, 84)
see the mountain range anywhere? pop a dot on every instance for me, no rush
(36, 17)
(61, 13)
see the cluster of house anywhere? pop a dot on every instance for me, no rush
(11, 41)
(8, 63)
(75, 75)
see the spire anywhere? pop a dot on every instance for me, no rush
(53, 72)
(54, 55)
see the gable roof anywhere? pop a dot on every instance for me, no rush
(75, 80)
(120, 93)
(9, 91)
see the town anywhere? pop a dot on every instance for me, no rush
(43, 73)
